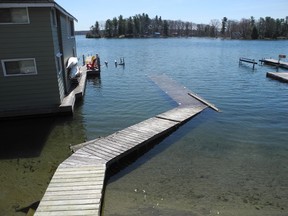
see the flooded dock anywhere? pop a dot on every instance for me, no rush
(77, 185)
(280, 76)
(278, 63)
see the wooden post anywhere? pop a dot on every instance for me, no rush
(280, 57)
(204, 102)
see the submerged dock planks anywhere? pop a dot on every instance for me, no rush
(176, 91)
(77, 185)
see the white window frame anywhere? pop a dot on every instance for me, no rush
(13, 23)
(59, 65)
(18, 74)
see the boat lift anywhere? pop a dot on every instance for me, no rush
(247, 60)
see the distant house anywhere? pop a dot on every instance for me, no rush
(157, 34)
(36, 40)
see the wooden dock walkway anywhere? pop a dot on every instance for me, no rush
(179, 93)
(281, 76)
(77, 185)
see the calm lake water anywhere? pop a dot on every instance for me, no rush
(229, 163)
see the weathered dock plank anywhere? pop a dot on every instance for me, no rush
(102, 155)
(110, 148)
(82, 158)
(50, 212)
(280, 76)
(106, 148)
(180, 114)
(61, 184)
(55, 194)
(113, 145)
(80, 179)
(87, 198)
(71, 207)
(76, 187)
(111, 154)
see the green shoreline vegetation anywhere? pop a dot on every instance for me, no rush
(142, 26)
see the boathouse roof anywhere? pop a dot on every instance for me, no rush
(35, 3)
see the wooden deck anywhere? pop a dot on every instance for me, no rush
(77, 185)
(68, 103)
(281, 76)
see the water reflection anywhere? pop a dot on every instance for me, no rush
(157, 147)
(24, 138)
(95, 80)
(31, 151)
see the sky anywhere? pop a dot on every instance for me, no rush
(88, 12)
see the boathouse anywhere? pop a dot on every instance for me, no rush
(37, 39)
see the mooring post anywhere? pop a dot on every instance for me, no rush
(83, 58)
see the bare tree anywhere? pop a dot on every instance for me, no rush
(245, 28)
(215, 23)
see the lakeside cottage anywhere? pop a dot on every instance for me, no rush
(37, 38)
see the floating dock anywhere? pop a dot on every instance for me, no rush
(274, 62)
(281, 76)
(77, 185)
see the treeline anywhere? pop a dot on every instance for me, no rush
(142, 25)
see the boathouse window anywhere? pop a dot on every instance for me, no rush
(14, 16)
(19, 67)
(70, 23)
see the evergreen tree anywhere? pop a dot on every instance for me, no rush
(121, 25)
(254, 34)
(223, 29)
(130, 27)
(165, 28)
(108, 28)
(115, 27)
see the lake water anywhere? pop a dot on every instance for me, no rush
(229, 163)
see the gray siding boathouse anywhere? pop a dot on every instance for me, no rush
(37, 39)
